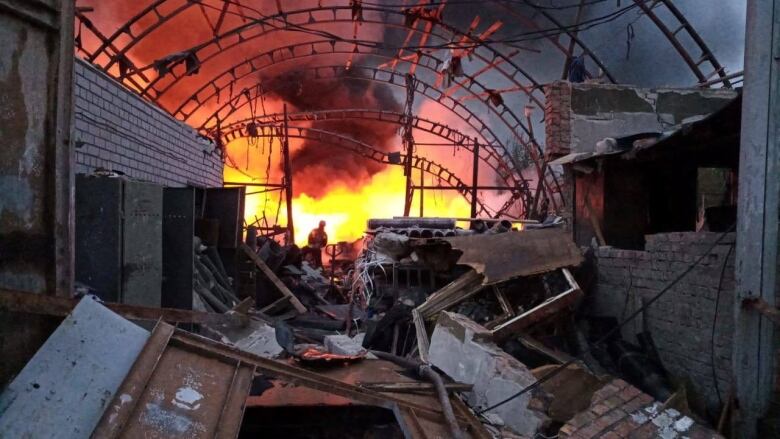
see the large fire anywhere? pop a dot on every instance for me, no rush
(331, 184)
(344, 207)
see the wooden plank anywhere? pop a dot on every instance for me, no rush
(276, 305)
(16, 301)
(412, 387)
(460, 289)
(473, 426)
(423, 343)
(118, 412)
(757, 219)
(280, 286)
(229, 424)
(535, 345)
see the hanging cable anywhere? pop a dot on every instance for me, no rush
(714, 321)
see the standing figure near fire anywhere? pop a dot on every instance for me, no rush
(318, 239)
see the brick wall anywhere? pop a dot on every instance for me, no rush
(116, 130)
(579, 115)
(619, 410)
(557, 119)
(681, 321)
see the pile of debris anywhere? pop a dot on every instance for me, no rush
(460, 332)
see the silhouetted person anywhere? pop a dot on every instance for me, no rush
(318, 239)
(577, 70)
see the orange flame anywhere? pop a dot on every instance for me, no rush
(345, 209)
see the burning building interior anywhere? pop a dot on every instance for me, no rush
(389, 218)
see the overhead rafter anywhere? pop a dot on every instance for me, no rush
(115, 51)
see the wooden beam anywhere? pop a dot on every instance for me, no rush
(451, 294)
(17, 301)
(412, 387)
(423, 342)
(280, 286)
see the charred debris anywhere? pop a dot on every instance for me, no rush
(431, 331)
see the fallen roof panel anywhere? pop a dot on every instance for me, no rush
(64, 389)
(506, 256)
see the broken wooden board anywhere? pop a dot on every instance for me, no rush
(274, 279)
(451, 294)
(506, 256)
(541, 312)
(423, 341)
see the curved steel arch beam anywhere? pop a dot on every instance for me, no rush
(683, 24)
(572, 35)
(340, 141)
(545, 173)
(488, 156)
(222, 114)
(273, 57)
(159, 18)
(252, 66)
(215, 45)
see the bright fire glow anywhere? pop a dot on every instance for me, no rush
(345, 209)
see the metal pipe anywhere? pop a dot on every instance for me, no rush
(288, 178)
(475, 178)
(406, 223)
(427, 372)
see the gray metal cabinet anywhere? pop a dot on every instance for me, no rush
(119, 239)
(178, 231)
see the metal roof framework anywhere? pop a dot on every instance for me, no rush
(467, 97)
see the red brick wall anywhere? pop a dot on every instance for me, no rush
(557, 116)
(619, 410)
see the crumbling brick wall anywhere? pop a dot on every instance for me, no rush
(557, 119)
(579, 115)
(116, 130)
(619, 410)
(681, 321)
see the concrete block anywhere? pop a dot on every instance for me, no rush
(465, 351)
(258, 338)
(344, 345)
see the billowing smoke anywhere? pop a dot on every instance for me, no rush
(317, 166)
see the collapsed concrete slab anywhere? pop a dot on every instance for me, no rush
(465, 351)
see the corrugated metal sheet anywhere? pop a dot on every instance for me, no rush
(64, 389)
(514, 254)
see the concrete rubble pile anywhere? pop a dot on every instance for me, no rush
(463, 333)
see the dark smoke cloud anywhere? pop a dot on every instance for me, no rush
(318, 167)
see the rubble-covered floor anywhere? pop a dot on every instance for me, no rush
(476, 335)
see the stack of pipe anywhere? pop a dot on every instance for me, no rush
(210, 280)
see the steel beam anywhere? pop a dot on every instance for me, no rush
(757, 221)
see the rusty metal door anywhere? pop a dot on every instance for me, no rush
(36, 64)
